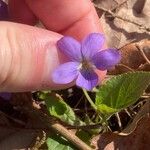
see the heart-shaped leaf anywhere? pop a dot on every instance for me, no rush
(121, 91)
(58, 108)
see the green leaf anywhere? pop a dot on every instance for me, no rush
(58, 108)
(42, 94)
(56, 142)
(121, 91)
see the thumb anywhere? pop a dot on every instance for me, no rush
(28, 56)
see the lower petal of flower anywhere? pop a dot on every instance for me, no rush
(87, 79)
(65, 73)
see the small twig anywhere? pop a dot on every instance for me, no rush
(119, 5)
(144, 111)
(78, 102)
(142, 53)
(94, 126)
(52, 124)
(39, 142)
(13, 119)
(77, 110)
(70, 136)
(145, 95)
(127, 111)
(148, 103)
(127, 67)
(141, 26)
(142, 66)
(119, 120)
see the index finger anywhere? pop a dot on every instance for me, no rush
(74, 17)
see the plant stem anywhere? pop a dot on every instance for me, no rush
(89, 99)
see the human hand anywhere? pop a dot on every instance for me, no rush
(28, 54)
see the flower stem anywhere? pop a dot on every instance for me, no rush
(89, 99)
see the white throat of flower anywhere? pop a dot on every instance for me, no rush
(86, 65)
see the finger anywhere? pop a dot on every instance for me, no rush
(28, 57)
(74, 17)
(20, 12)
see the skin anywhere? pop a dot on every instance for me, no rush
(28, 54)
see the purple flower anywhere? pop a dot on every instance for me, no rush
(5, 95)
(3, 11)
(84, 57)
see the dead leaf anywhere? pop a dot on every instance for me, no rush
(144, 111)
(15, 138)
(138, 140)
(131, 58)
(20, 123)
(108, 4)
(120, 32)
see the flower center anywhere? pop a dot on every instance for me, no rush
(86, 65)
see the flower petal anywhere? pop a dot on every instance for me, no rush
(87, 79)
(70, 47)
(5, 95)
(65, 73)
(106, 59)
(3, 11)
(92, 44)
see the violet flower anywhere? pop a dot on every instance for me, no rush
(5, 95)
(3, 11)
(85, 58)
(4, 17)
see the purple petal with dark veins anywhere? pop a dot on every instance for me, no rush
(65, 73)
(5, 95)
(87, 79)
(92, 44)
(3, 11)
(70, 47)
(106, 59)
